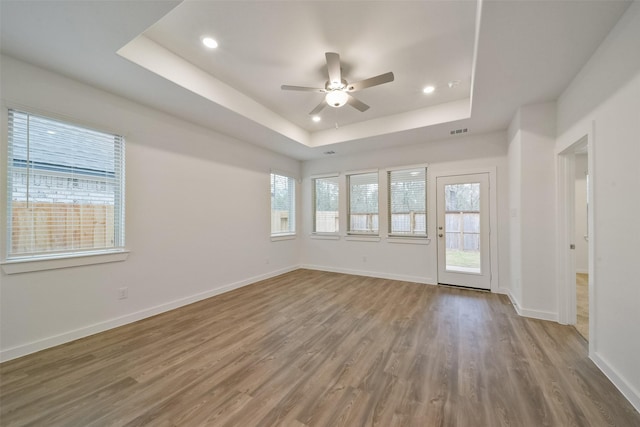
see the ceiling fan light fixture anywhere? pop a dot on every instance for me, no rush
(209, 42)
(336, 98)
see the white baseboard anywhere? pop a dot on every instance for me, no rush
(32, 347)
(627, 390)
(379, 275)
(514, 302)
(534, 314)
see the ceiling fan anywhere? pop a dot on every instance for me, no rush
(337, 90)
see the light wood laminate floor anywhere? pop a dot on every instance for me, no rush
(314, 348)
(582, 308)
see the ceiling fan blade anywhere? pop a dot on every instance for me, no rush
(319, 108)
(302, 88)
(357, 104)
(333, 67)
(372, 81)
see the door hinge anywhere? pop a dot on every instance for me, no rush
(572, 246)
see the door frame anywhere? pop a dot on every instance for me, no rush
(566, 263)
(493, 217)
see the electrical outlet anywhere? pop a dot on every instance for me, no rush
(123, 293)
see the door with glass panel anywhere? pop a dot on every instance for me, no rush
(463, 230)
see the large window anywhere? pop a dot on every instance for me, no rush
(65, 188)
(283, 205)
(363, 203)
(325, 204)
(408, 202)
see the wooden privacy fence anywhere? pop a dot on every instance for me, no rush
(463, 230)
(363, 222)
(327, 221)
(45, 227)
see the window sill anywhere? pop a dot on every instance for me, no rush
(321, 236)
(409, 240)
(363, 238)
(283, 237)
(26, 265)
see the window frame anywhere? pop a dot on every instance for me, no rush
(401, 236)
(314, 232)
(291, 234)
(349, 231)
(47, 260)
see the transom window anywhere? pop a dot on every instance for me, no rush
(65, 188)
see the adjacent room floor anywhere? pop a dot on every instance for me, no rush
(582, 308)
(316, 348)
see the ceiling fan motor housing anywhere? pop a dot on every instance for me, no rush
(337, 89)
(329, 85)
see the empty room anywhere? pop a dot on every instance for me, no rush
(319, 213)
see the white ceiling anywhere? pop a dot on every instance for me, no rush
(504, 54)
(285, 42)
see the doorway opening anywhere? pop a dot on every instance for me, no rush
(581, 239)
(463, 218)
(576, 237)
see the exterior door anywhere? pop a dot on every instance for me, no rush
(463, 230)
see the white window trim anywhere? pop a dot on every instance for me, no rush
(409, 240)
(361, 171)
(40, 262)
(358, 234)
(53, 262)
(276, 237)
(400, 168)
(406, 238)
(321, 234)
(362, 238)
(281, 237)
(325, 175)
(325, 236)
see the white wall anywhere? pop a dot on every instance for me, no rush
(603, 102)
(532, 210)
(582, 249)
(514, 157)
(197, 219)
(396, 260)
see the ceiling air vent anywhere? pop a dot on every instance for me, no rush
(328, 153)
(458, 131)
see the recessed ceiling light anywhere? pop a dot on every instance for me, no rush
(209, 42)
(316, 118)
(51, 132)
(429, 89)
